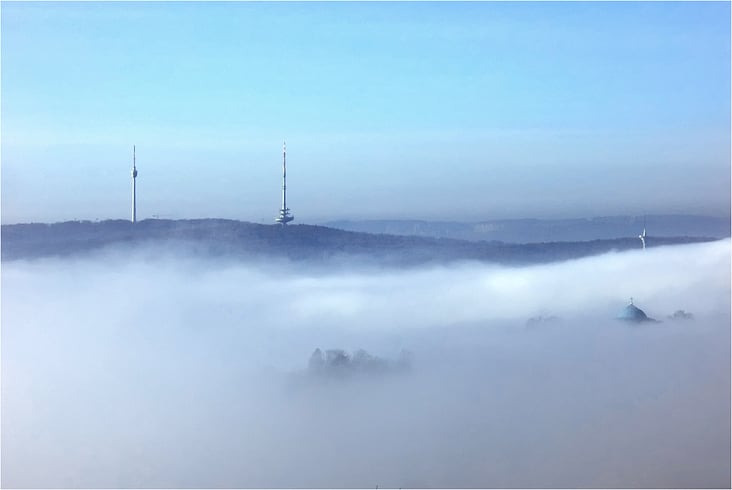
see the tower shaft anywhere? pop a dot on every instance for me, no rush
(284, 176)
(134, 185)
(284, 216)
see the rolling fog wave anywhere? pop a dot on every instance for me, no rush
(150, 370)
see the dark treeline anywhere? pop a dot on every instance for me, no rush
(529, 230)
(220, 237)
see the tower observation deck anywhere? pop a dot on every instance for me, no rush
(284, 217)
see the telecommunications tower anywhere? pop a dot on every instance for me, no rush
(134, 187)
(284, 216)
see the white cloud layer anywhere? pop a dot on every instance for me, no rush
(161, 370)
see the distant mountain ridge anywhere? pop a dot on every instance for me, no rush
(238, 239)
(548, 230)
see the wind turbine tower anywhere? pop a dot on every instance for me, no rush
(284, 216)
(134, 187)
(643, 236)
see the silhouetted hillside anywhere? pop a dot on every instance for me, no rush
(548, 230)
(219, 237)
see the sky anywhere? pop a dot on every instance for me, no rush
(459, 111)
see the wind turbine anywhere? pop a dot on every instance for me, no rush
(643, 235)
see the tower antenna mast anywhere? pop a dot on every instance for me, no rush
(284, 175)
(284, 216)
(134, 186)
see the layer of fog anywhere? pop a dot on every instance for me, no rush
(176, 371)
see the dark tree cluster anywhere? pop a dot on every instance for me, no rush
(337, 362)
(681, 315)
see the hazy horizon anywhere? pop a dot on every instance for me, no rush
(325, 221)
(457, 111)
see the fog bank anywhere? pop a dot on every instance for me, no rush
(173, 371)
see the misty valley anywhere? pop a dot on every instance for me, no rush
(356, 244)
(158, 367)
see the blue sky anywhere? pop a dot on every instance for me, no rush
(461, 111)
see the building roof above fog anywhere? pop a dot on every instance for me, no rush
(632, 313)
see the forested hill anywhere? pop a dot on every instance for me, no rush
(529, 230)
(219, 237)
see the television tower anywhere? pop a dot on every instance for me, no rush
(134, 187)
(284, 216)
